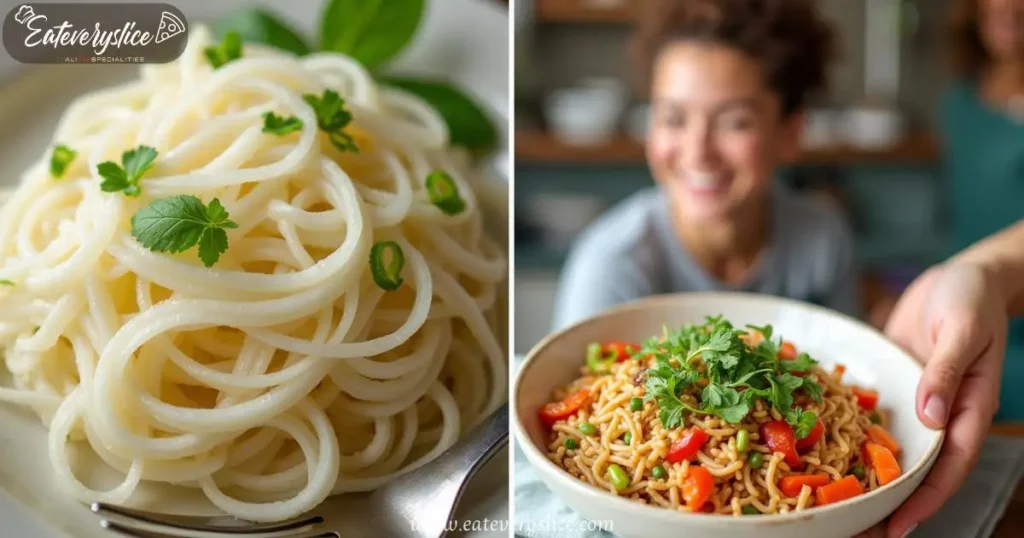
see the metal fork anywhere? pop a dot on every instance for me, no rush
(417, 505)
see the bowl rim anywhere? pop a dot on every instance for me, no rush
(591, 492)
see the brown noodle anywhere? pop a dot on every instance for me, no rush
(736, 484)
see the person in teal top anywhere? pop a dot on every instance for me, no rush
(983, 134)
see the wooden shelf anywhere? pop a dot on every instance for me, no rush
(583, 11)
(539, 147)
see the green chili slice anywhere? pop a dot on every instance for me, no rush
(387, 273)
(444, 194)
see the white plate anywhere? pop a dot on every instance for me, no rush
(465, 41)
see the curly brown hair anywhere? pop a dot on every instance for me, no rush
(969, 56)
(788, 38)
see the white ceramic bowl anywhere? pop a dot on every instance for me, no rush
(870, 360)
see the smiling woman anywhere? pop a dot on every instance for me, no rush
(254, 275)
(729, 79)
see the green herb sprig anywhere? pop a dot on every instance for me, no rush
(125, 177)
(735, 375)
(5, 282)
(332, 117)
(228, 50)
(274, 124)
(178, 223)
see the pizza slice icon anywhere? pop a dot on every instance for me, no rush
(170, 26)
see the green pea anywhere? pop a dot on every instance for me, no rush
(618, 477)
(749, 510)
(755, 460)
(742, 440)
(628, 438)
(636, 404)
(857, 471)
(587, 428)
(659, 472)
(876, 418)
(571, 444)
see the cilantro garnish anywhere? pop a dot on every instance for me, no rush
(332, 118)
(177, 223)
(735, 375)
(228, 50)
(60, 159)
(5, 282)
(274, 124)
(125, 178)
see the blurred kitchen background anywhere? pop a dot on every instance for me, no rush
(871, 146)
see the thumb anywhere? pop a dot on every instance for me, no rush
(952, 354)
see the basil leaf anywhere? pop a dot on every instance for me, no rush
(371, 31)
(468, 124)
(258, 26)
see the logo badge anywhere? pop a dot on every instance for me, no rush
(87, 33)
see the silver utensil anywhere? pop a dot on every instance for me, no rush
(417, 505)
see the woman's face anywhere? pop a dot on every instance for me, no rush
(1002, 28)
(717, 131)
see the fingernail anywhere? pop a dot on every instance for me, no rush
(935, 409)
(914, 526)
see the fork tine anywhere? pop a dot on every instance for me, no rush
(134, 533)
(182, 523)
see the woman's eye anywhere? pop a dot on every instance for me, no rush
(672, 120)
(737, 122)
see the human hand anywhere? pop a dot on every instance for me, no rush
(953, 319)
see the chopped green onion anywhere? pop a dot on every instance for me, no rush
(876, 418)
(636, 404)
(596, 362)
(628, 438)
(444, 194)
(571, 444)
(618, 477)
(587, 428)
(659, 472)
(742, 440)
(749, 510)
(755, 460)
(387, 274)
(60, 159)
(857, 471)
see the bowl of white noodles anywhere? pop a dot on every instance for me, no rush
(221, 291)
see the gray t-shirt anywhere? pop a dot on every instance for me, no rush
(632, 252)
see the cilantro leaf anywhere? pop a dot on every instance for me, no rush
(178, 223)
(812, 389)
(274, 124)
(330, 111)
(802, 363)
(332, 117)
(60, 159)
(343, 141)
(5, 282)
(802, 421)
(125, 177)
(765, 330)
(228, 50)
(664, 383)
